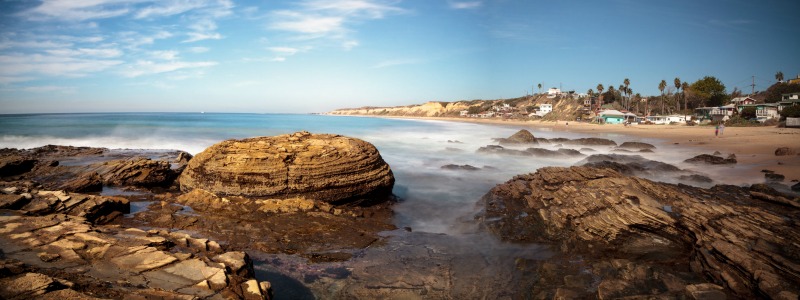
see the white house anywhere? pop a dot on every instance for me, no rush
(677, 119)
(659, 120)
(463, 113)
(553, 92)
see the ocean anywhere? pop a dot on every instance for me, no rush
(437, 204)
(415, 149)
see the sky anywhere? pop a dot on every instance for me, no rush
(318, 55)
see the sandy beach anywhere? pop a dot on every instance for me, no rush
(752, 145)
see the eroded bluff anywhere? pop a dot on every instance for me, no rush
(744, 239)
(324, 167)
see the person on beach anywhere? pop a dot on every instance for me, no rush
(716, 130)
(721, 129)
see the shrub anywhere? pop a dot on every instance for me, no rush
(739, 121)
(748, 113)
(790, 112)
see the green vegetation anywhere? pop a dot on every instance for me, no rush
(774, 92)
(790, 112)
(748, 113)
(708, 91)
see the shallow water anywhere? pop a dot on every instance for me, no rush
(437, 205)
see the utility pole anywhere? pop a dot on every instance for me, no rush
(753, 87)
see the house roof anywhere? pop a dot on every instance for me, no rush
(740, 99)
(611, 112)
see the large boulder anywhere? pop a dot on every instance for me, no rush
(744, 239)
(521, 137)
(325, 167)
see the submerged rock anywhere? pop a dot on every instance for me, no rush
(728, 233)
(323, 167)
(784, 151)
(636, 146)
(712, 159)
(460, 167)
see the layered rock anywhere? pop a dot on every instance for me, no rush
(129, 263)
(84, 169)
(138, 171)
(636, 146)
(323, 167)
(96, 209)
(745, 240)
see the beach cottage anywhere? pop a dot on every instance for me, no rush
(612, 116)
(718, 113)
(764, 111)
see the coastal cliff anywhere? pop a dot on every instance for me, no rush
(563, 108)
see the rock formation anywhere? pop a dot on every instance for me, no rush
(520, 137)
(712, 159)
(138, 171)
(538, 152)
(55, 246)
(744, 240)
(636, 146)
(784, 151)
(323, 167)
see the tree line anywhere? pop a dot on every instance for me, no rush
(682, 96)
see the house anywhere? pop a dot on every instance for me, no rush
(612, 116)
(658, 120)
(719, 113)
(764, 111)
(677, 119)
(788, 100)
(795, 80)
(553, 92)
(544, 109)
(742, 100)
(463, 113)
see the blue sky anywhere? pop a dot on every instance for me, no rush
(318, 55)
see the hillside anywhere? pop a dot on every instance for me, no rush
(563, 108)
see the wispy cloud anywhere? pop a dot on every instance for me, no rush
(198, 49)
(78, 10)
(330, 19)
(282, 52)
(90, 52)
(396, 62)
(146, 67)
(164, 54)
(52, 65)
(203, 29)
(169, 8)
(464, 4)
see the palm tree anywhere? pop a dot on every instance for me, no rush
(540, 88)
(661, 87)
(590, 92)
(627, 82)
(677, 89)
(600, 95)
(779, 76)
(684, 86)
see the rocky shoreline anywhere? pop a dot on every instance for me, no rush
(323, 204)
